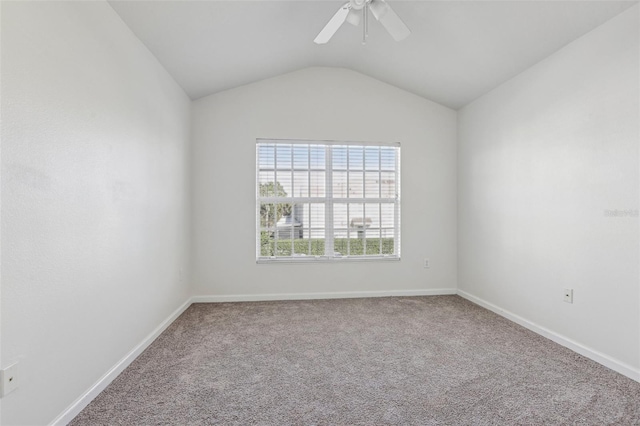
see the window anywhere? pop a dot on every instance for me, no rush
(327, 201)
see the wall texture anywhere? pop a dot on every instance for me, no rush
(94, 195)
(544, 162)
(319, 104)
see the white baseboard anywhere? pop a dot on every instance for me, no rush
(104, 381)
(329, 295)
(607, 361)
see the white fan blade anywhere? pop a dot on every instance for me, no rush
(333, 25)
(379, 8)
(389, 19)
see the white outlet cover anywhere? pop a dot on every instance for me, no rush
(9, 379)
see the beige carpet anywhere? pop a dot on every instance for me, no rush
(437, 360)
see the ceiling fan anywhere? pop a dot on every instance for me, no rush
(355, 10)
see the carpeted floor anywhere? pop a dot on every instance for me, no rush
(437, 360)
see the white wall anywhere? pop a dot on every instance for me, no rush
(94, 195)
(320, 104)
(540, 159)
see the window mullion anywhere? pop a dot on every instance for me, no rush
(380, 204)
(328, 207)
(292, 214)
(275, 206)
(348, 205)
(364, 227)
(396, 206)
(364, 204)
(309, 195)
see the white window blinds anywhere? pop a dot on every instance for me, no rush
(327, 200)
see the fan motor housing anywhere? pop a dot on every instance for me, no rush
(358, 4)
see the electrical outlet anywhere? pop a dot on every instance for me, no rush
(568, 295)
(9, 379)
(426, 263)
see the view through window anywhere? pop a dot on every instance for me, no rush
(327, 200)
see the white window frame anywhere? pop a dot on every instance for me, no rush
(328, 200)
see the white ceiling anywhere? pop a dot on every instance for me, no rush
(458, 50)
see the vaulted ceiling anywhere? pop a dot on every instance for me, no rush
(458, 50)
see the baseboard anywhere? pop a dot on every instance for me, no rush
(84, 400)
(329, 295)
(607, 361)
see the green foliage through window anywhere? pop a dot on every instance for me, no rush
(315, 246)
(270, 213)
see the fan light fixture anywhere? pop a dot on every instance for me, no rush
(350, 12)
